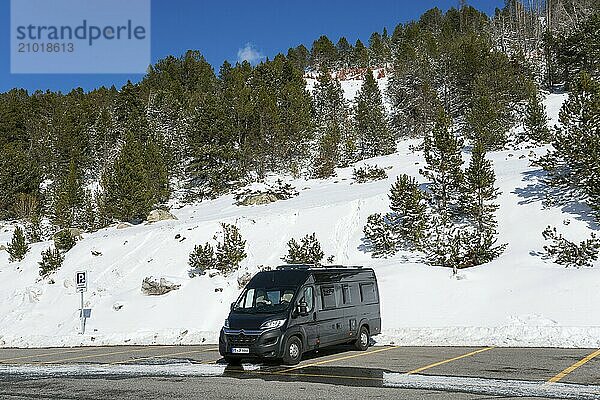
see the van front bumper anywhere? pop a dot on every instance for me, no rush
(263, 344)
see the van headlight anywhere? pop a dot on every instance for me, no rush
(226, 324)
(273, 324)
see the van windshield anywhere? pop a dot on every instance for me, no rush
(266, 301)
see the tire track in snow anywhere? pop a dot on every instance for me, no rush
(344, 231)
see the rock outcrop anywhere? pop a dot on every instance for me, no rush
(152, 286)
(75, 233)
(160, 215)
(267, 194)
(258, 199)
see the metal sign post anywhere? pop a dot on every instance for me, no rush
(81, 281)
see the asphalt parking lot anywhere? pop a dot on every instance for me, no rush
(340, 372)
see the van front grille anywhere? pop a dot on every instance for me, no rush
(241, 340)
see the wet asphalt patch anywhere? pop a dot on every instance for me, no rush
(482, 371)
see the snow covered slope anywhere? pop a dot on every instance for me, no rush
(519, 299)
(351, 83)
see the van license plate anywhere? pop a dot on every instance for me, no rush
(240, 350)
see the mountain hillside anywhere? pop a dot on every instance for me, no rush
(519, 299)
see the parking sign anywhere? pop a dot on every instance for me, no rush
(81, 281)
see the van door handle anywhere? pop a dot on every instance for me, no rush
(314, 316)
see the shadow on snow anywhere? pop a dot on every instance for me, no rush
(570, 201)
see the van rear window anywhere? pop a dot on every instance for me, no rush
(328, 296)
(367, 293)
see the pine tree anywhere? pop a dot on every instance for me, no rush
(324, 54)
(156, 169)
(297, 119)
(51, 261)
(574, 164)
(328, 153)
(168, 124)
(380, 236)
(89, 213)
(334, 138)
(33, 228)
(409, 212)
(278, 135)
(536, 121)
(202, 258)
(71, 141)
(386, 43)
(484, 122)
(26, 206)
(449, 245)
(18, 247)
(368, 173)
(69, 199)
(345, 51)
(412, 92)
(360, 57)
(104, 137)
(19, 173)
(299, 56)
(64, 240)
(294, 255)
(135, 182)
(577, 49)
(308, 251)
(444, 160)
(328, 99)
(569, 253)
(215, 163)
(405, 227)
(312, 248)
(378, 51)
(479, 197)
(231, 251)
(374, 135)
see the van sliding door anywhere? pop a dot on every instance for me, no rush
(330, 316)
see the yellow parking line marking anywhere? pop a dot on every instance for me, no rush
(416, 371)
(96, 355)
(361, 354)
(78, 350)
(573, 367)
(162, 356)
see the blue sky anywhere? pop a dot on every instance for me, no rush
(222, 30)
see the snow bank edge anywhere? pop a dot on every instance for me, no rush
(499, 336)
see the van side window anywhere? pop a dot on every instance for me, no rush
(367, 293)
(346, 296)
(328, 297)
(307, 297)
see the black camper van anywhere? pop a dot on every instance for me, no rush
(285, 312)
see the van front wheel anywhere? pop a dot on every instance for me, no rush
(293, 351)
(362, 342)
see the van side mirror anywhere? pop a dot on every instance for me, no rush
(232, 306)
(302, 309)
